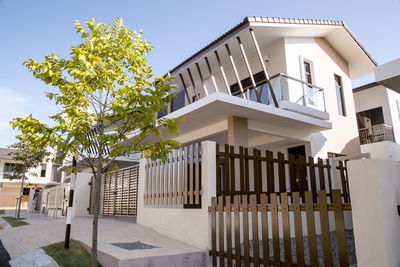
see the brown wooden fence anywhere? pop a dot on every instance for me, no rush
(252, 171)
(177, 181)
(238, 225)
(119, 193)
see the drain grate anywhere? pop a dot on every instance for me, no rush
(134, 245)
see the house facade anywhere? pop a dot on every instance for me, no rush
(302, 102)
(279, 90)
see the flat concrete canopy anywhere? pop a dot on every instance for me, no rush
(210, 113)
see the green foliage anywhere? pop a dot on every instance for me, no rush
(105, 86)
(14, 222)
(75, 256)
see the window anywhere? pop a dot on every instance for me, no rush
(369, 118)
(334, 155)
(163, 112)
(262, 87)
(43, 170)
(297, 151)
(195, 98)
(178, 101)
(8, 169)
(26, 191)
(307, 72)
(339, 95)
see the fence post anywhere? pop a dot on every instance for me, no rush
(208, 179)
(374, 188)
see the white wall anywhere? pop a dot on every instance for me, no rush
(383, 150)
(375, 193)
(187, 225)
(394, 104)
(81, 194)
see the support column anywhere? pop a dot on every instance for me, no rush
(238, 131)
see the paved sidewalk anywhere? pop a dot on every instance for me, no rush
(44, 231)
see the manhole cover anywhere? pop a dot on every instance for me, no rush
(134, 245)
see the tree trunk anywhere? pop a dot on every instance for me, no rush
(97, 183)
(20, 195)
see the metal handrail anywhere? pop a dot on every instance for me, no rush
(376, 133)
(297, 80)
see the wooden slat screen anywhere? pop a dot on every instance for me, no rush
(177, 181)
(118, 193)
(239, 239)
(243, 171)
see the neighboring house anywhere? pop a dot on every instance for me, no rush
(378, 120)
(36, 178)
(305, 108)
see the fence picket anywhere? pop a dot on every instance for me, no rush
(218, 170)
(237, 229)
(246, 231)
(213, 231)
(298, 228)
(221, 246)
(264, 229)
(312, 242)
(241, 168)
(197, 174)
(282, 175)
(232, 187)
(325, 231)
(312, 177)
(228, 230)
(286, 229)
(226, 187)
(340, 228)
(254, 222)
(185, 175)
(275, 230)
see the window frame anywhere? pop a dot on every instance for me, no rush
(342, 99)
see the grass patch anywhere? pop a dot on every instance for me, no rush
(2, 212)
(75, 256)
(14, 222)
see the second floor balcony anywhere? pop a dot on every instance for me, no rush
(281, 91)
(376, 133)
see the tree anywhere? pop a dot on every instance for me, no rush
(28, 158)
(106, 90)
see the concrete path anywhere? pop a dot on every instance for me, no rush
(36, 258)
(44, 231)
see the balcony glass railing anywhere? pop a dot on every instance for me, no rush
(376, 133)
(298, 92)
(287, 88)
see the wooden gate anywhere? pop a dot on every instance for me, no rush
(118, 193)
(243, 171)
(251, 234)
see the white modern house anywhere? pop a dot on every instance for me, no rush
(378, 113)
(268, 95)
(272, 83)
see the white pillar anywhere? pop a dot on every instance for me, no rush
(375, 193)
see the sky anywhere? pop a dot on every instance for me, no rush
(31, 29)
